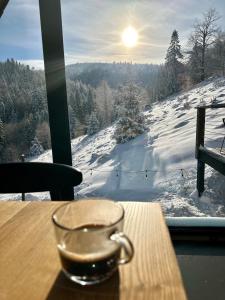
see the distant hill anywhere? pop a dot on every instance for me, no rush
(114, 73)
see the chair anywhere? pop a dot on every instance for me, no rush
(26, 177)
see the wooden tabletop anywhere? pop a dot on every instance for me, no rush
(30, 267)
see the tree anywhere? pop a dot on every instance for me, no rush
(2, 136)
(79, 128)
(43, 135)
(36, 147)
(72, 120)
(104, 102)
(194, 64)
(28, 131)
(90, 101)
(127, 129)
(38, 104)
(93, 124)
(174, 51)
(131, 122)
(23, 107)
(204, 35)
(118, 105)
(217, 55)
(159, 89)
(173, 65)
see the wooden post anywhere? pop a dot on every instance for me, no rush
(200, 134)
(200, 177)
(221, 148)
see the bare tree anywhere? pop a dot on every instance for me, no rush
(219, 52)
(204, 35)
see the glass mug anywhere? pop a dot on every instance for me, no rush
(90, 239)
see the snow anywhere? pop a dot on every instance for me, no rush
(166, 151)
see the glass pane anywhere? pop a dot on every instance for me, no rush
(133, 85)
(24, 126)
(23, 111)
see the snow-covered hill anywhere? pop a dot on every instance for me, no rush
(160, 164)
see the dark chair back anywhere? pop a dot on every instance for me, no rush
(27, 177)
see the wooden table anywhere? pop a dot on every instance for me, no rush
(30, 267)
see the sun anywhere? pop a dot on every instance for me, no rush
(130, 37)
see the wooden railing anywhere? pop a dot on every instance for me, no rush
(203, 155)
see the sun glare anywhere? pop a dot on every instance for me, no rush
(129, 37)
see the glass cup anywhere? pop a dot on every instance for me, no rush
(90, 240)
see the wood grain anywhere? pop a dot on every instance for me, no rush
(9, 209)
(30, 267)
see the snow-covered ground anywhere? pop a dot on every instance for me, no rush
(159, 165)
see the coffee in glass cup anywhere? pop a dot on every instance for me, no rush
(90, 239)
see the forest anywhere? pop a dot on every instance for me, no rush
(102, 93)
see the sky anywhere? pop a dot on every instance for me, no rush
(92, 29)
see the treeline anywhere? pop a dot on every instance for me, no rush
(114, 74)
(92, 109)
(23, 110)
(24, 127)
(205, 58)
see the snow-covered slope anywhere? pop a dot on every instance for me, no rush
(160, 164)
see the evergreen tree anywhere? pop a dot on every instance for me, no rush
(93, 124)
(28, 131)
(194, 66)
(104, 102)
(72, 120)
(38, 105)
(118, 106)
(43, 134)
(36, 147)
(2, 135)
(90, 101)
(128, 129)
(2, 111)
(131, 100)
(174, 51)
(173, 65)
(131, 122)
(80, 128)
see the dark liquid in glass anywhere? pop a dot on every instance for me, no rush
(93, 265)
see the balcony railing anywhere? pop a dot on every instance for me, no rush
(202, 154)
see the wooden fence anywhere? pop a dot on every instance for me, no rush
(203, 155)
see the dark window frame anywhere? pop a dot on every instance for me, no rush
(54, 62)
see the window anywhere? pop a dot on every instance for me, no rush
(133, 83)
(133, 110)
(24, 126)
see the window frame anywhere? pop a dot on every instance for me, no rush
(54, 66)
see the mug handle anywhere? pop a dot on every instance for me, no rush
(125, 243)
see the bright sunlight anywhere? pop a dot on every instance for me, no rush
(130, 37)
